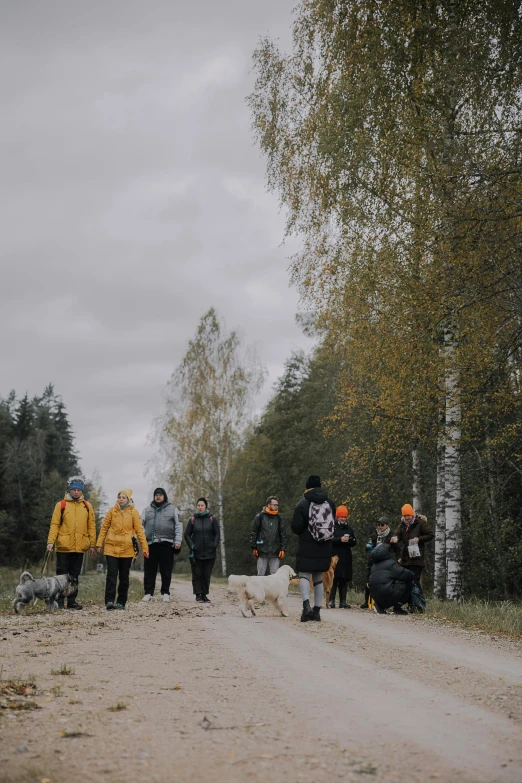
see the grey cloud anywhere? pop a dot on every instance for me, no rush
(133, 200)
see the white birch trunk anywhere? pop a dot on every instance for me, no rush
(452, 466)
(439, 577)
(416, 468)
(220, 513)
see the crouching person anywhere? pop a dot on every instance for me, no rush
(73, 532)
(122, 522)
(390, 584)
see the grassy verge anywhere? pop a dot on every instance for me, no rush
(503, 617)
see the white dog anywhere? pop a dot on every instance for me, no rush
(273, 588)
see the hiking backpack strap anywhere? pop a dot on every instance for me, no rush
(63, 504)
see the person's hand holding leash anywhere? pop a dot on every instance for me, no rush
(50, 547)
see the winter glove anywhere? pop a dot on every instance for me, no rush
(281, 554)
(146, 554)
(256, 553)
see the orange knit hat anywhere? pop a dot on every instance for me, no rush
(407, 511)
(342, 511)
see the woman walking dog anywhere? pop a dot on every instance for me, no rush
(121, 523)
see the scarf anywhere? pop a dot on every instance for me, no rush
(272, 513)
(408, 524)
(202, 514)
(381, 535)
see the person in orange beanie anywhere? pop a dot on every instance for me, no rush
(411, 537)
(343, 541)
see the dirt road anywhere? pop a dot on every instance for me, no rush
(210, 695)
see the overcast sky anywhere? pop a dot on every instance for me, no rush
(133, 199)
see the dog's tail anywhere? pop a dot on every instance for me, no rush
(237, 581)
(30, 578)
(17, 603)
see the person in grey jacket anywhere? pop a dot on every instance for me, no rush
(268, 537)
(163, 531)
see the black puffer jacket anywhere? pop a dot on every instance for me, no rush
(390, 584)
(268, 534)
(202, 536)
(312, 555)
(343, 550)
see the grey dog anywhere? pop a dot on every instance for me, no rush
(49, 589)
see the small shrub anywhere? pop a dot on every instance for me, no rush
(118, 707)
(63, 670)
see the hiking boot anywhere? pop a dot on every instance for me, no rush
(307, 613)
(206, 599)
(316, 614)
(75, 605)
(379, 609)
(399, 610)
(200, 599)
(109, 605)
(345, 606)
(166, 598)
(119, 606)
(146, 598)
(363, 606)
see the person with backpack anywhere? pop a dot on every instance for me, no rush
(410, 539)
(268, 537)
(164, 532)
(390, 584)
(313, 522)
(381, 534)
(343, 541)
(119, 530)
(202, 536)
(72, 532)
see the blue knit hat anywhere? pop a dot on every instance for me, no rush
(76, 482)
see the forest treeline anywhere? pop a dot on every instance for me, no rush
(393, 138)
(37, 456)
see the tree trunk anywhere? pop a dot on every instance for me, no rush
(452, 465)
(416, 468)
(220, 512)
(439, 579)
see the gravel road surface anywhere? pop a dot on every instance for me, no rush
(211, 696)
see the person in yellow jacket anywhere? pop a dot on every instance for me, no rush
(121, 523)
(72, 532)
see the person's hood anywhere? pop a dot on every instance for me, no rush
(316, 495)
(380, 553)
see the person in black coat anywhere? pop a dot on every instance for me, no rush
(343, 541)
(313, 556)
(390, 584)
(381, 534)
(202, 536)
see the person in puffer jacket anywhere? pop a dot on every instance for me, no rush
(390, 584)
(268, 537)
(164, 533)
(202, 535)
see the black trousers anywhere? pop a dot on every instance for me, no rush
(201, 573)
(161, 555)
(117, 567)
(69, 563)
(417, 572)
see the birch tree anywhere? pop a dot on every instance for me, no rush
(206, 409)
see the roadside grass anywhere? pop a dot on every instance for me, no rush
(503, 617)
(118, 707)
(92, 590)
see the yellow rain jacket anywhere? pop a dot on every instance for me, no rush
(75, 529)
(117, 530)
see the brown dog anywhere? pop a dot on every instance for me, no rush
(328, 577)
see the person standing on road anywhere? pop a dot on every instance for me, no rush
(343, 541)
(411, 537)
(122, 522)
(380, 535)
(390, 584)
(202, 536)
(164, 532)
(313, 522)
(73, 531)
(268, 537)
